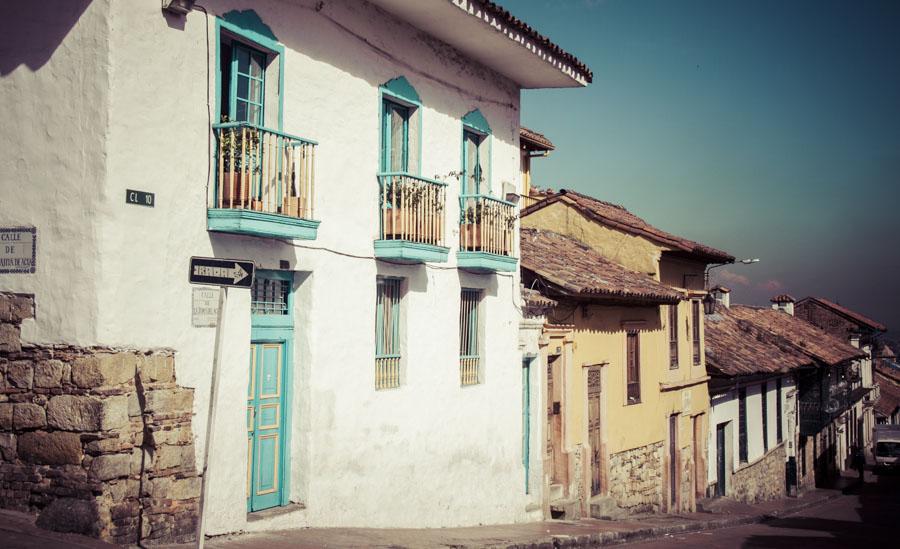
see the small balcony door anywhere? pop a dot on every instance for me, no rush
(243, 83)
(472, 171)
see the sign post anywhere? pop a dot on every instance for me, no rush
(225, 273)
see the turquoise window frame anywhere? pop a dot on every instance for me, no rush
(473, 347)
(280, 329)
(387, 108)
(399, 91)
(236, 74)
(475, 123)
(381, 283)
(246, 26)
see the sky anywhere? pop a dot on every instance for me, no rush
(768, 129)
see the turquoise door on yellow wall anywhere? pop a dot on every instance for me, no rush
(269, 391)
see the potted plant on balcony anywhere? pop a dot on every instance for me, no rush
(239, 150)
(400, 210)
(469, 233)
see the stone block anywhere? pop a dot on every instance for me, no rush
(110, 466)
(169, 457)
(179, 434)
(48, 374)
(20, 374)
(174, 488)
(70, 515)
(56, 448)
(8, 446)
(134, 405)
(6, 416)
(104, 369)
(110, 445)
(75, 413)
(29, 416)
(169, 401)
(114, 413)
(15, 308)
(158, 368)
(10, 340)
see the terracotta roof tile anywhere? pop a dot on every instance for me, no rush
(535, 138)
(576, 269)
(736, 347)
(889, 388)
(534, 298)
(618, 217)
(500, 13)
(847, 313)
(783, 298)
(800, 334)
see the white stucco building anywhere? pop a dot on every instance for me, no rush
(360, 154)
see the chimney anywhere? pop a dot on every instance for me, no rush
(783, 302)
(722, 295)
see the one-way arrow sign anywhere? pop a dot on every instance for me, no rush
(221, 272)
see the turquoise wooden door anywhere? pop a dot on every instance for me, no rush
(269, 390)
(265, 440)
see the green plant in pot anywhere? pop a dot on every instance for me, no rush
(240, 159)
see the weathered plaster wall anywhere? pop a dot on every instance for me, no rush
(54, 78)
(634, 252)
(724, 408)
(530, 345)
(419, 455)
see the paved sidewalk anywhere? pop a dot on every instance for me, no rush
(582, 533)
(18, 531)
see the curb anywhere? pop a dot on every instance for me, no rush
(641, 534)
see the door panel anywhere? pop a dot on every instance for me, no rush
(265, 425)
(594, 427)
(720, 460)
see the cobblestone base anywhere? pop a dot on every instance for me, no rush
(761, 481)
(97, 440)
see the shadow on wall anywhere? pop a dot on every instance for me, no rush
(30, 32)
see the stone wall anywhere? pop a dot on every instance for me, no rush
(762, 480)
(635, 478)
(97, 441)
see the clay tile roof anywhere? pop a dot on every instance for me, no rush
(497, 11)
(618, 217)
(534, 298)
(847, 313)
(889, 388)
(783, 298)
(575, 269)
(537, 141)
(736, 347)
(800, 334)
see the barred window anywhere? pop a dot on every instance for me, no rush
(387, 333)
(742, 425)
(269, 296)
(469, 358)
(765, 416)
(633, 368)
(673, 336)
(695, 330)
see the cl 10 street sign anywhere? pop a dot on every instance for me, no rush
(234, 273)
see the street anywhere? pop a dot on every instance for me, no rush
(861, 517)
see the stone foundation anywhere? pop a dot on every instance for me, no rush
(96, 440)
(762, 480)
(635, 478)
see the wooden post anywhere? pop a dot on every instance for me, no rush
(211, 417)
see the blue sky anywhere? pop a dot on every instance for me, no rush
(768, 129)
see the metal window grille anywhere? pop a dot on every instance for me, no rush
(778, 427)
(633, 369)
(269, 296)
(468, 337)
(695, 330)
(673, 336)
(742, 425)
(387, 333)
(765, 417)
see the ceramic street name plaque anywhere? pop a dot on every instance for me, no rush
(204, 307)
(18, 248)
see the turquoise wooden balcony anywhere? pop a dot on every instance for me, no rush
(265, 183)
(486, 234)
(411, 216)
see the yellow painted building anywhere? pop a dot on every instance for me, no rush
(632, 385)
